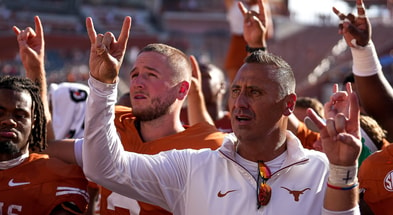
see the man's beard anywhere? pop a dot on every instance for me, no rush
(159, 107)
(7, 147)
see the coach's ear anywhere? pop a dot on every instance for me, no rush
(290, 102)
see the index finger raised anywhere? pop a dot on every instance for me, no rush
(90, 30)
(318, 121)
(354, 112)
(340, 15)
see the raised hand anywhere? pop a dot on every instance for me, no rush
(255, 25)
(196, 80)
(107, 53)
(340, 134)
(31, 48)
(32, 53)
(355, 29)
(340, 101)
(197, 112)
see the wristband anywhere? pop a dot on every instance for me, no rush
(251, 50)
(342, 176)
(343, 188)
(365, 61)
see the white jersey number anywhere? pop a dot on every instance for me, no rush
(120, 201)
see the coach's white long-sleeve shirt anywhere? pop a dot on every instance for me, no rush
(198, 181)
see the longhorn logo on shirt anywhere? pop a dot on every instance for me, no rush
(296, 193)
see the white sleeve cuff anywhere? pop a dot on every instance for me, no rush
(365, 61)
(78, 144)
(353, 211)
(102, 89)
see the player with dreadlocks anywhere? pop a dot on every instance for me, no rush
(48, 184)
(38, 134)
(33, 183)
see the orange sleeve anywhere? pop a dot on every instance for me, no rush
(306, 136)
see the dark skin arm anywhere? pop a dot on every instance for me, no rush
(376, 96)
(375, 92)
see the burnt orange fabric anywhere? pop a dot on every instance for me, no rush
(40, 184)
(235, 55)
(306, 136)
(376, 179)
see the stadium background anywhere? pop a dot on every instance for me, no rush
(314, 49)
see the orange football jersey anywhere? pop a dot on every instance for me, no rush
(376, 181)
(39, 184)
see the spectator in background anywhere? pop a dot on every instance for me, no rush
(298, 119)
(124, 100)
(374, 131)
(67, 103)
(303, 103)
(237, 45)
(8, 69)
(214, 89)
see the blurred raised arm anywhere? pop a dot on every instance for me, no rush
(196, 108)
(255, 25)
